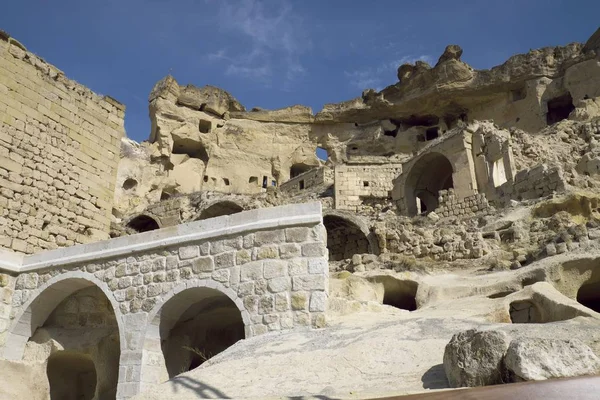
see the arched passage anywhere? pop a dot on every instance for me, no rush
(345, 237)
(72, 324)
(143, 223)
(219, 209)
(193, 325)
(427, 176)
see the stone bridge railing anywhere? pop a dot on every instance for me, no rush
(272, 263)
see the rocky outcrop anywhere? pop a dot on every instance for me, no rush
(530, 359)
(452, 89)
(475, 358)
(295, 114)
(479, 358)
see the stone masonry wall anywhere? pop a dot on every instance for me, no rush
(59, 149)
(314, 177)
(539, 181)
(271, 262)
(355, 182)
(451, 206)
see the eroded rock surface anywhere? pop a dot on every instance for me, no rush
(539, 359)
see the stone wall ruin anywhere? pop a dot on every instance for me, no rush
(59, 150)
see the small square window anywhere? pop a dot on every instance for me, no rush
(365, 183)
(226, 181)
(301, 184)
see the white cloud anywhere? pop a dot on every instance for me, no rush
(248, 72)
(379, 76)
(272, 40)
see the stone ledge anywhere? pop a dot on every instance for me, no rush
(266, 218)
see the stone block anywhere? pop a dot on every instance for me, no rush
(318, 320)
(266, 304)
(246, 288)
(268, 237)
(308, 282)
(289, 250)
(278, 285)
(318, 302)
(243, 256)
(302, 318)
(251, 303)
(221, 275)
(203, 264)
(274, 268)
(259, 329)
(225, 260)
(204, 249)
(318, 266)
(297, 266)
(267, 252)
(299, 300)
(251, 271)
(187, 252)
(297, 234)
(315, 249)
(282, 302)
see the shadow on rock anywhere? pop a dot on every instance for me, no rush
(435, 378)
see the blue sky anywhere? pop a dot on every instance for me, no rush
(276, 53)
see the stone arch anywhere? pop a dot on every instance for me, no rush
(36, 310)
(143, 223)
(219, 208)
(168, 312)
(428, 175)
(347, 235)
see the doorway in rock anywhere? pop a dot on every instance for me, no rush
(589, 295)
(559, 108)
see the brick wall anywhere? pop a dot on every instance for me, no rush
(356, 182)
(59, 149)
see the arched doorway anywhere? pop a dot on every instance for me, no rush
(219, 209)
(143, 223)
(191, 327)
(344, 238)
(71, 325)
(428, 175)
